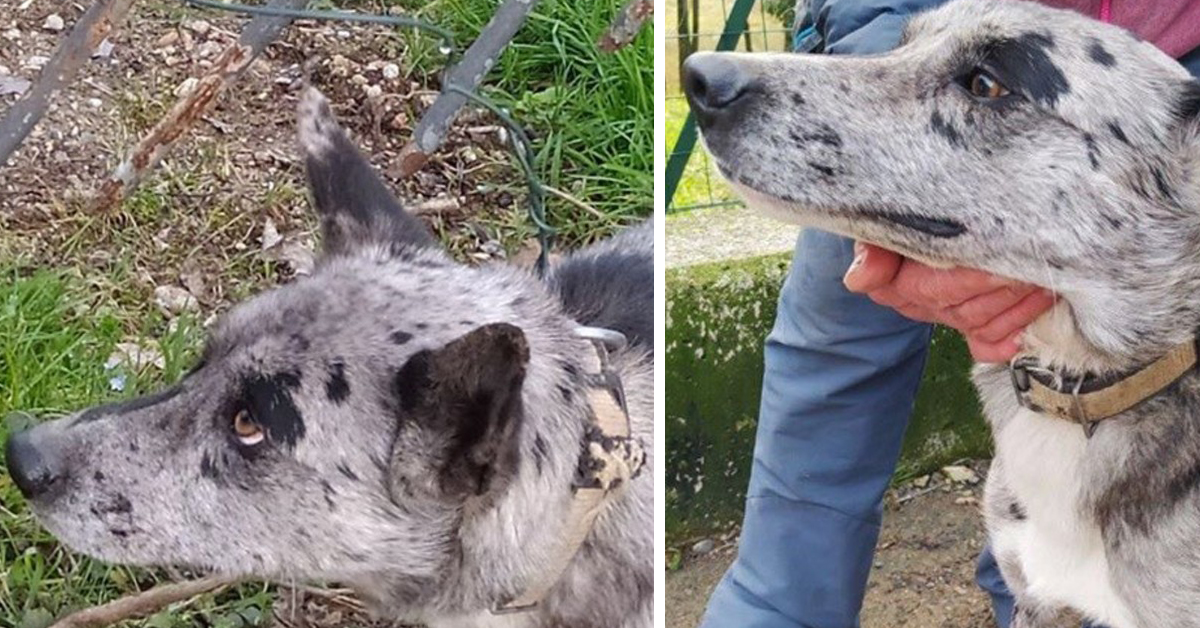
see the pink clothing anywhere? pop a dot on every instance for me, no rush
(1172, 26)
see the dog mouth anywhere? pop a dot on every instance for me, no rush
(936, 227)
(942, 228)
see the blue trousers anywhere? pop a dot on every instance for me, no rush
(841, 376)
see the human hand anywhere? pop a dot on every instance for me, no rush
(990, 311)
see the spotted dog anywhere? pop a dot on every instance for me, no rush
(396, 422)
(1050, 148)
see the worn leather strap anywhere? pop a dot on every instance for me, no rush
(611, 460)
(1091, 407)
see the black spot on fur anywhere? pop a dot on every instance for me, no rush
(329, 492)
(270, 400)
(1118, 132)
(1092, 151)
(1016, 511)
(98, 476)
(400, 337)
(565, 392)
(337, 388)
(1188, 105)
(938, 125)
(1113, 221)
(1098, 54)
(1164, 188)
(825, 170)
(301, 343)
(824, 134)
(345, 470)
(411, 380)
(797, 99)
(123, 407)
(540, 452)
(207, 469)
(1024, 65)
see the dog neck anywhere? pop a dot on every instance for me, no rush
(516, 550)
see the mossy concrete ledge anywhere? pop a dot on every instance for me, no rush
(718, 317)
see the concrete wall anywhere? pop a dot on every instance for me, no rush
(718, 316)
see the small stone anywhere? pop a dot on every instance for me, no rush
(965, 501)
(94, 102)
(135, 356)
(208, 49)
(703, 546)
(373, 91)
(399, 121)
(200, 27)
(174, 301)
(104, 50)
(358, 79)
(54, 23)
(36, 62)
(343, 34)
(960, 474)
(11, 34)
(921, 482)
(4, 70)
(186, 87)
(168, 39)
(391, 71)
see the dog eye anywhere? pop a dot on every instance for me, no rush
(247, 430)
(984, 85)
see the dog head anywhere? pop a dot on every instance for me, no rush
(343, 427)
(1031, 142)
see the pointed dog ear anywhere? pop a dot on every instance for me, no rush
(353, 203)
(461, 415)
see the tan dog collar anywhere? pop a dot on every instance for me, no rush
(1089, 399)
(611, 458)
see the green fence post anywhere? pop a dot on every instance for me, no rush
(735, 25)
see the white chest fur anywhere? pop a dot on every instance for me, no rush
(1061, 553)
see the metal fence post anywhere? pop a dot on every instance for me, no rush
(735, 25)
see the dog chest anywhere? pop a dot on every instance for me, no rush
(1060, 552)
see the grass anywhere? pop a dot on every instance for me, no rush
(590, 113)
(55, 335)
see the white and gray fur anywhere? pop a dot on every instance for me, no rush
(424, 424)
(1084, 180)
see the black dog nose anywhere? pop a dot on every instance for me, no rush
(713, 81)
(33, 471)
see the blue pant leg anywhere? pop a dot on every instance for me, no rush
(987, 576)
(841, 375)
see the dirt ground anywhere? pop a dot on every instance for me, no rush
(923, 575)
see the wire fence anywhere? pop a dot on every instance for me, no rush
(692, 26)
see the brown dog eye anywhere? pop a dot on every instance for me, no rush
(984, 85)
(248, 431)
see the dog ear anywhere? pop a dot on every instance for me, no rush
(354, 205)
(461, 414)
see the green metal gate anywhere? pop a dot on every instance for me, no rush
(753, 25)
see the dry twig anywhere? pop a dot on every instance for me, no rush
(97, 24)
(143, 603)
(155, 145)
(626, 26)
